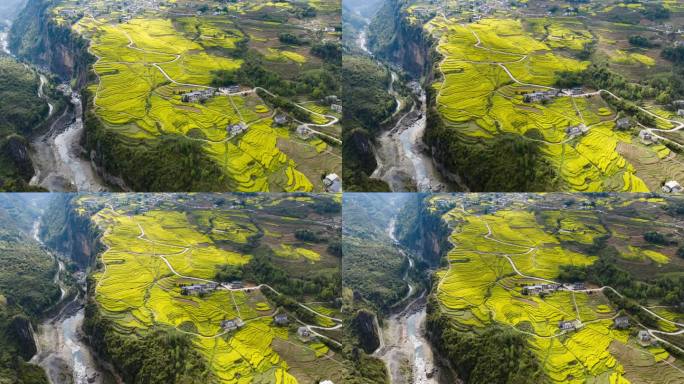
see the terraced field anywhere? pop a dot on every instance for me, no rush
(149, 57)
(501, 253)
(153, 254)
(490, 66)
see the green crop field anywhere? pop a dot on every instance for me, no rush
(501, 252)
(153, 251)
(148, 57)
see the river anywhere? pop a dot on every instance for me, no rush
(404, 344)
(61, 350)
(403, 161)
(57, 154)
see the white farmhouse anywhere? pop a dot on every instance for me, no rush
(332, 183)
(672, 186)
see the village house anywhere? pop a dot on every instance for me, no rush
(281, 319)
(539, 96)
(230, 89)
(197, 289)
(303, 332)
(336, 108)
(539, 288)
(672, 186)
(646, 137)
(680, 112)
(280, 119)
(623, 123)
(236, 129)
(578, 286)
(571, 91)
(236, 284)
(304, 132)
(195, 96)
(644, 337)
(566, 325)
(576, 130)
(621, 322)
(233, 324)
(331, 99)
(332, 183)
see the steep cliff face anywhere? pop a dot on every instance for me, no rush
(424, 231)
(395, 40)
(70, 233)
(21, 331)
(16, 148)
(35, 37)
(364, 326)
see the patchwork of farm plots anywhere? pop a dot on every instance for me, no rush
(145, 66)
(490, 65)
(151, 256)
(496, 255)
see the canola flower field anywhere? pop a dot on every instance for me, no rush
(489, 66)
(146, 63)
(496, 254)
(149, 256)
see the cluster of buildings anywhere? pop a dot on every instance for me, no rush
(548, 95)
(571, 325)
(232, 324)
(198, 96)
(539, 96)
(576, 130)
(549, 288)
(236, 129)
(207, 93)
(198, 289)
(229, 89)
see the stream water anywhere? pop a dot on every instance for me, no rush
(61, 350)
(56, 154)
(404, 347)
(403, 161)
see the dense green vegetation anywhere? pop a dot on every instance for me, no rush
(323, 285)
(21, 112)
(668, 290)
(160, 356)
(367, 104)
(674, 54)
(494, 355)
(319, 82)
(666, 87)
(373, 265)
(640, 41)
(171, 163)
(26, 290)
(505, 163)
